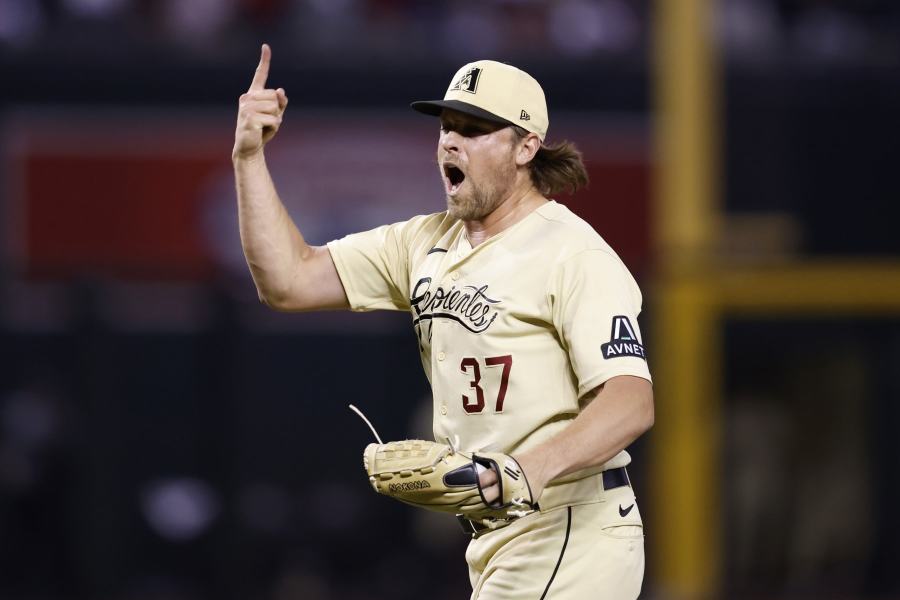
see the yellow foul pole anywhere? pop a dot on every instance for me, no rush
(686, 555)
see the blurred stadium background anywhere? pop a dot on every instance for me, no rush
(165, 437)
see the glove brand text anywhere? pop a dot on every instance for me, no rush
(409, 486)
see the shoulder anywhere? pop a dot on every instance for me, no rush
(571, 234)
(424, 230)
(434, 223)
(396, 240)
(582, 253)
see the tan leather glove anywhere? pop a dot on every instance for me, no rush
(437, 477)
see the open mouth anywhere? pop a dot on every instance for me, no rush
(453, 176)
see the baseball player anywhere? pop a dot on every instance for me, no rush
(526, 322)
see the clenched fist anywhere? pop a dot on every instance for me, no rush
(260, 111)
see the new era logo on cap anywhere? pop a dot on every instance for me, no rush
(524, 116)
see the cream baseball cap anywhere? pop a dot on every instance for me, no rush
(496, 92)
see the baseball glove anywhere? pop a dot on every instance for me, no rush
(437, 477)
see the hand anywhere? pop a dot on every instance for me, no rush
(437, 477)
(534, 473)
(260, 111)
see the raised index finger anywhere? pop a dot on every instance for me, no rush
(262, 71)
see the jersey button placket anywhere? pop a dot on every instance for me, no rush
(440, 356)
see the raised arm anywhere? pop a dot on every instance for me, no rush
(289, 273)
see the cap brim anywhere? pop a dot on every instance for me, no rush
(434, 108)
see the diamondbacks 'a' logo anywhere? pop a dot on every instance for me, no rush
(469, 81)
(623, 341)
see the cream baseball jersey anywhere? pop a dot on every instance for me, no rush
(512, 333)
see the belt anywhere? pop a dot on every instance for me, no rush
(615, 478)
(612, 479)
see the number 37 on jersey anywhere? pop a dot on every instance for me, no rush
(474, 401)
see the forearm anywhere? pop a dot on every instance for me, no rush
(272, 244)
(619, 413)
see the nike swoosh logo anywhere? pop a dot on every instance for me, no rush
(623, 512)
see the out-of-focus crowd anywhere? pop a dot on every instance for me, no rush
(843, 31)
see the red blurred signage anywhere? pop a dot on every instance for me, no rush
(132, 198)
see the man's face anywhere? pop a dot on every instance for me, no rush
(477, 164)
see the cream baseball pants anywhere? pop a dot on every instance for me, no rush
(586, 543)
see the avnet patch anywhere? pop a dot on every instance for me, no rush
(623, 340)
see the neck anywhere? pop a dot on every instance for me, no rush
(518, 205)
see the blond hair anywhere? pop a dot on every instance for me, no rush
(557, 168)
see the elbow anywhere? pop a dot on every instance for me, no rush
(649, 417)
(276, 301)
(267, 300)
(289, 300)
(646, 415)
(271, 290)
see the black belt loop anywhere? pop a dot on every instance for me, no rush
(615, 478)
